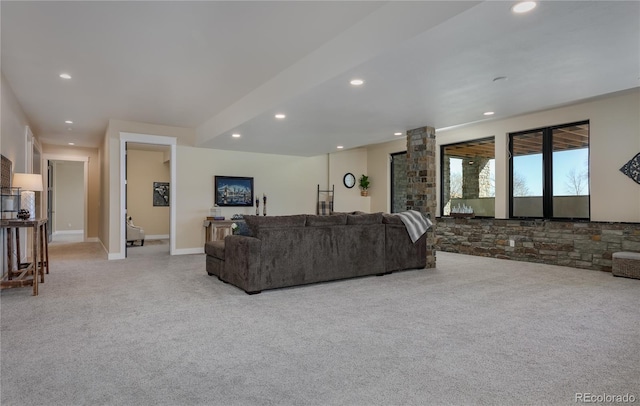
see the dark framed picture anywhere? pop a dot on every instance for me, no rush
(160, 193)
(233, 191)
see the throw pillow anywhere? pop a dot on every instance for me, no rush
(325, 208)
(243, 229)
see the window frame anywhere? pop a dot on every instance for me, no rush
(442, 163)
(392, 177)
(547, 168)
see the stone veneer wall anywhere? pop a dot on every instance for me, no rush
(588, 245)
(421, 180)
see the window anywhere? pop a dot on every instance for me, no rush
(549, 172)
(468, 176)
(399, 182)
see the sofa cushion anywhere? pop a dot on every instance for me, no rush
(335, 220)
(364, 219)
(256, 223)
(391, 219)
(215, 249)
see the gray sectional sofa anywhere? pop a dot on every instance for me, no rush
(294, 250)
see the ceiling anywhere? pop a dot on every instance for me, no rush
(227, 67)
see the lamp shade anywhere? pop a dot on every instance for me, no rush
(28, 181)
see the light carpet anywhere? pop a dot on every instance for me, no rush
(157, 330)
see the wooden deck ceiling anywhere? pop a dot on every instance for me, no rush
(566, 138)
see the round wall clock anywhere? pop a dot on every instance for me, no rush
(349, 180)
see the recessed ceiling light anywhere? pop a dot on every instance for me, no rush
(357, 82)
(69, 122)
(235, 135)
(523, 6)
(488, 113)
(280, 116)
(72, 143)
(397, 133)
(339, 147)
(65, 76)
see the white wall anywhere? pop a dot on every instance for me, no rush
(68, 198)
(92, 156)
(290, 183)
(12, 127)
(340, 163)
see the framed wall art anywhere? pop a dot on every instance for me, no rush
(233, 191)
(160, 193)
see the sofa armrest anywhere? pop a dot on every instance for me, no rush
(242, 263)
(400, 252)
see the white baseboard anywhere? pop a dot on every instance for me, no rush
(157, 237)
(188, 251)
(57, 232)
(111, 256)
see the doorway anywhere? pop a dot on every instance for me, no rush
(148, 141)
(66, 200)
(148, 175)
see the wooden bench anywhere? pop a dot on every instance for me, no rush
(626, 264)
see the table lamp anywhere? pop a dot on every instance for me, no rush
(29, 183)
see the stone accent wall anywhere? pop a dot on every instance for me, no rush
(588, 245)
(421, 180)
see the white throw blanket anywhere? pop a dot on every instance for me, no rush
(415, 222)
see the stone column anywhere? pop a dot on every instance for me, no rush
(446, 185)
(421, 178)
(474, 173)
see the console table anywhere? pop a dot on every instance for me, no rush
(25, 274)
(217, 229)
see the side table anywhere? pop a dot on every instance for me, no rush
(217, 229)
(25, 274)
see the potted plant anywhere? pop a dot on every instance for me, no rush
(363, 183)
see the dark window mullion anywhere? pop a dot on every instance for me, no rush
(547, 168)
(511, 137)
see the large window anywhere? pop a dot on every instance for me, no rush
(468, 177)
(549, 172)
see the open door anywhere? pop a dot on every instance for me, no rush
(126, 166)
(49, 200)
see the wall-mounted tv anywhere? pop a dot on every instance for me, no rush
(233, 191)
